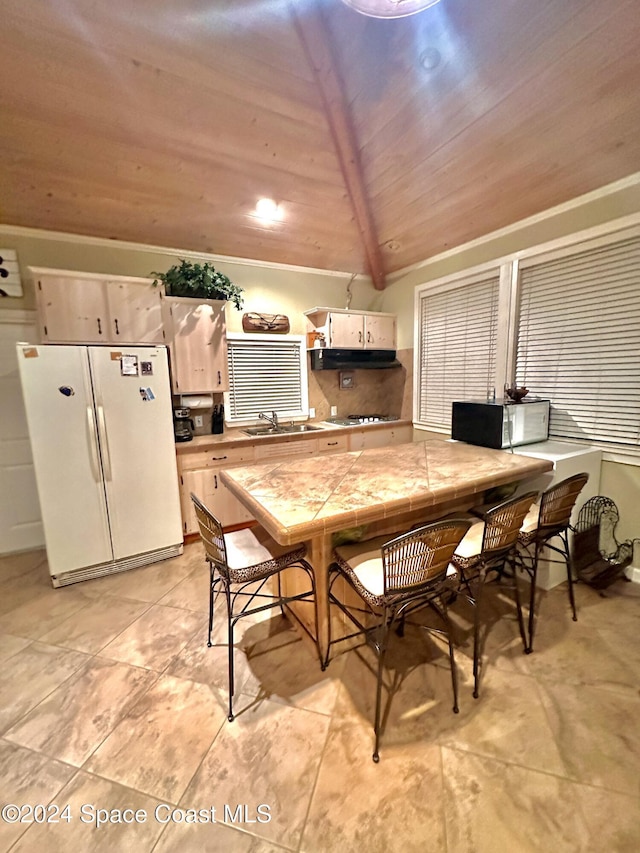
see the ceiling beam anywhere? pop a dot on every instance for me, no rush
(316, 41)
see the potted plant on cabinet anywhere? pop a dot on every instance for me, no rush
(199, 281)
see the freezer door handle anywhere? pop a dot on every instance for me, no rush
(106, 457)
(93, 445)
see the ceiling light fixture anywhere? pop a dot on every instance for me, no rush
(268, 210)
(389, 8)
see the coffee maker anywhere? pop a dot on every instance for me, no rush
(183, 426)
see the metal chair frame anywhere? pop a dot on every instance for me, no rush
(502, 525)
(236, 583)
(556, 506)
(414, 569)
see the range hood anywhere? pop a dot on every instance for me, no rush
(353, 359)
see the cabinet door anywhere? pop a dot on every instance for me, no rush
(379, 332)
(135, 312)
(206, 484)
(346, 331)
(198, 345)
(72, 310)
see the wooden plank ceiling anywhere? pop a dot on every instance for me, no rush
(163, 121)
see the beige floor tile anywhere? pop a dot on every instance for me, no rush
(507, 723)
(44, 612)
(613, 820)
(192, 593)
(267, 756)
(84, 795)
(30, 675)
(27, 778)
(492, 806)
(211, 838)
(358, 805)
(155, 638)
(148, 583)
(96, 625)
(10, 645)
(21, 564)
(580, 655)
(597, 733)
(157, 747)
(76, 717)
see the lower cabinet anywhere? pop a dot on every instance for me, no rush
(365, 439)
(199, 473)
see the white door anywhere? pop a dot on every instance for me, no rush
(135, 423)
(57, 393)
(380, 332)
(20, 522)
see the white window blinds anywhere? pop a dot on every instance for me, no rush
(578, 342)
(266, 373)
(458, 330)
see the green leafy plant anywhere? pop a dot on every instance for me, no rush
(200, 281)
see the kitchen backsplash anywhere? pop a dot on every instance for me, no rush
(384, 392)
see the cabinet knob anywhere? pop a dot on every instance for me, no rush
(359, 337)
(99, 326)
(116, 324)
(219, 378)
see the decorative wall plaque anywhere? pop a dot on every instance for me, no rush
(273, 323)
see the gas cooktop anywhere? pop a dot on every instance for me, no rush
(356, 420)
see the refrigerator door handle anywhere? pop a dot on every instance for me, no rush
(93, 445)
(106, 458)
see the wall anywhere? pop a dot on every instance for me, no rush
(620, 482)
(267, 289)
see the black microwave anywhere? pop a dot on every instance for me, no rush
(500, 425)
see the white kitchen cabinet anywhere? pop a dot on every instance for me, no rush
(568, 459)
(85, 308)
(197, 338)
(343, 329)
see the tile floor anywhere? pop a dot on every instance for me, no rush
(110, 700)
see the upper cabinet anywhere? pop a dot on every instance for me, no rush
(197, 338)
(345, 329)
(84, 308)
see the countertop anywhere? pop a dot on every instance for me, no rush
(297, 500)
(236, 437)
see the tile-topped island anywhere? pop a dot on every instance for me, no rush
(388, 489)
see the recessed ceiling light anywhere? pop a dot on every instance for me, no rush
(430, 58)
(267, 209)
(389, 8)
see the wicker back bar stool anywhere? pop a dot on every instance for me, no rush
(490, 546)
(392, 580)
(550, 521)
(243, 562)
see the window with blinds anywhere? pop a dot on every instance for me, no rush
(578, 342)
(457, 340)
(266, 373)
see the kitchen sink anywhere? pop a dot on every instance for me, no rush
(281, 430)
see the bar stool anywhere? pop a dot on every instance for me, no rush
(240, 560)
(393, 579)
(489, 546)
(550, 520)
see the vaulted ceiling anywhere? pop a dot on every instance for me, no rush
(384, 141)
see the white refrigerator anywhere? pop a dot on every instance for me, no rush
(101, 430)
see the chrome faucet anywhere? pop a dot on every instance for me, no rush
(273, 420)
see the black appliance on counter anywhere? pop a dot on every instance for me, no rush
(217, 420)
(183, 426)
